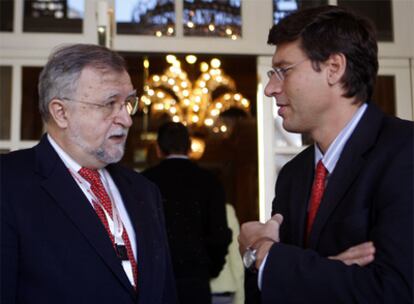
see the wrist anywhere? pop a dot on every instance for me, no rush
(255, 254)
(262, 251)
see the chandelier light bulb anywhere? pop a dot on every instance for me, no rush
(146, 63)
(208, 122)
(204, 67)
(170, 58)
(191, 59)
(215, 63)
(176, 118)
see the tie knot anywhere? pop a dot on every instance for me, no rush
(91, 175)
(321, 171)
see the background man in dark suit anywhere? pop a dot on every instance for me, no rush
(75, 226)
(194, 206)
(361, 164)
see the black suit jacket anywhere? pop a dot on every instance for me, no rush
(194, 206)
(369, 196)
(54, 248)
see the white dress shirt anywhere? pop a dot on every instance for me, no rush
(111, 188)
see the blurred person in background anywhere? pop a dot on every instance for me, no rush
(194, 207)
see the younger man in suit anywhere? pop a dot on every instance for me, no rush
(361, 165)
(195, 215)
(75, 226)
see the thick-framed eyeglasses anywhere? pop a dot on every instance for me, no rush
(112, 108)
(281, 72)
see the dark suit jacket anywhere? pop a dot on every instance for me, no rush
(369, 196)
(54, 248)
(194, 206)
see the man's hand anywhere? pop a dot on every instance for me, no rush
(260, 236)
(362, 254)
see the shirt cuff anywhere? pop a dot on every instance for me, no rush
(260, 274)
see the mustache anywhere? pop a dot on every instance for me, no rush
(121, 132)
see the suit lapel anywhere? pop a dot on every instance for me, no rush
(300, 195)
(347, 169)
(139, 211)
(59, 183)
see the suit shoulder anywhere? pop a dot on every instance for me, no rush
(150, 171)
(398, 129)
(303, 157)
(17, 161)
(395, 136)
(133, 175)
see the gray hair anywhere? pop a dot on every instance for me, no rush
(59, 78)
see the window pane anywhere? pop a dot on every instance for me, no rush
(212, 18)
(59, 16)
(5, 101)
(145, 17)
(282, 8)
(380, 13)
(384, 93)
(31, 123)
(6, 15)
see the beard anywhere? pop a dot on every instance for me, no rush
(108, 152)
(109, 156)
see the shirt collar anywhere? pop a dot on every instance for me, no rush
(331, 157)
(182, 156)
(69, 162)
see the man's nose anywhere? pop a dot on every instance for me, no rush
(273, 86)
(123, 117)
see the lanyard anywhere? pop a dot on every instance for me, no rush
(114, 222)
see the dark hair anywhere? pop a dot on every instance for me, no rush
(327, 30)
(59, 77)
(173, 138)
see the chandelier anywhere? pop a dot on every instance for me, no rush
(191, 102)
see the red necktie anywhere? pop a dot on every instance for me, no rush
(316, 196)
(98, 189)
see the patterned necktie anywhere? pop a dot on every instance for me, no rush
(98, 189)
(318, 188)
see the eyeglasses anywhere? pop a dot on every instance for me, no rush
(281, 72)
(112, 108)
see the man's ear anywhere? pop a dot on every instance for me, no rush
(336, 66)
(160, 154)
(58, 112)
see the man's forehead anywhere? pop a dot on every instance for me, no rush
(286, 51)
(103, 71)
(108, 82)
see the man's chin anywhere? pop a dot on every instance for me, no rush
(111, 157)
(291, 128)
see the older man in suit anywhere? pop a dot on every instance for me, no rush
(75, 226)
(354, 185)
